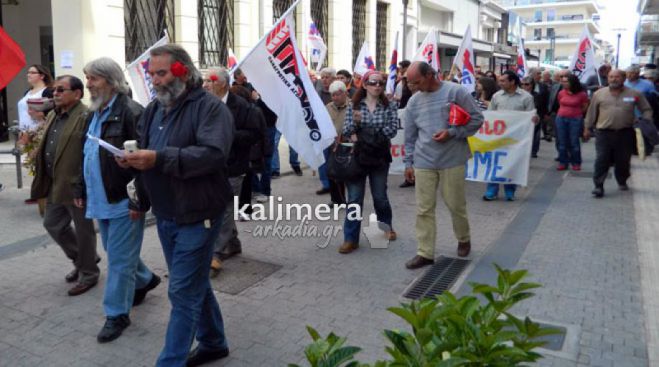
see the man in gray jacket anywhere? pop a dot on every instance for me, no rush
(436, 153)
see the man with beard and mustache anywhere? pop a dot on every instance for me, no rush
(186, 135)
(102, 190)
(611, 112)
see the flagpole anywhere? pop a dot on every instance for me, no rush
(242, 59)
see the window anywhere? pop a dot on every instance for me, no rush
(319, 16)
(279, 7)
(537, 34)
(551, 15)
(215, 31)
(537, 16)
(145, 22)
(381, 35)
(358, 27)
(550, 33)
(549, 56)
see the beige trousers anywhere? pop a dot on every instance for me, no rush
(452, 189)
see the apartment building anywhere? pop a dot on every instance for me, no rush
(553, 27)
(647, 33)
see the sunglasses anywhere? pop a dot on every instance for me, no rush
(61, 89)
(376, 83)
(526, 83)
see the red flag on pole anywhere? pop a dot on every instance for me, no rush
(12, 58)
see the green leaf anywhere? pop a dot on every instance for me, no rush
(314, 334)
(404, 314)
(340, 356)
(516, 276)
(453, 362)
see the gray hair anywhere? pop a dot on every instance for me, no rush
(534, 70)
(109, 70)
(336, 86)
(221, 73)
(328, 72)
(634, 69)
(177, 53)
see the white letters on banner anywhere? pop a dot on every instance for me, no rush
(501, 149)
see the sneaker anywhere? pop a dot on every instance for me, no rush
(140, 294)
(297, 170)
(576, 167)
(114, 326)
(260, 198)
(489, 198)
(561, 167)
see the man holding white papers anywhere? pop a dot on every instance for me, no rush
(102, 190)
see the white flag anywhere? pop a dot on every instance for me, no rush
(464, 62)
(583, 60)
(318, 49)
(232, 61)
(428, 51)
(276, 69)
(364, 61)
(143, 91)
(393, 68)
(521, 58)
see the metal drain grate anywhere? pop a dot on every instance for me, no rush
(438, 278)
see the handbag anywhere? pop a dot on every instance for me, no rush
(342, 164)
(373, 149)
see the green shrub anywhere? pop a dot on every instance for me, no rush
(448, 331)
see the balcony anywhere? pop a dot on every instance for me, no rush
(648, 30)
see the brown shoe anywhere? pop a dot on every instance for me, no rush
(391, 235)
(418, 261)
(216, 264)
(80, 288)
(348, 247)
(464, 248)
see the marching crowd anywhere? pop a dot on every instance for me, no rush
(204, 140)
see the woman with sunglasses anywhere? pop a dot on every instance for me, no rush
(370, 116)
(40, 81)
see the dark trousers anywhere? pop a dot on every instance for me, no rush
(78, 244)
(337, 191)
(614, 147)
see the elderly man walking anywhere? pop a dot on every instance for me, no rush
(102, 190)
(57, 166)
(186, 135)
(436, 153)
(611, 112)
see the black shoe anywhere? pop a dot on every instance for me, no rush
(323, 191)
(406, 184)
(141, 293)
(275, 175)
(113, 328)
(623, 187)
(199, 356)
(72, 276)
(534, 155)
(297, 170)
(233, 251)
(598, 192)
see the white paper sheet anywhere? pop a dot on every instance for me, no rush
(107, 146)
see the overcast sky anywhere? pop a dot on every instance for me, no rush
(620, 14)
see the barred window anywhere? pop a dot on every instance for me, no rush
(145, 22)
(279, 7)
(358, 27)
(215, 31)
(381, 36)
(319, 15)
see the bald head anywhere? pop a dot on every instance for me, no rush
(421, 76)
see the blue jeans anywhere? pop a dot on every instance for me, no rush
(188, 251)
(292, 154)
(261, 182)
(569, 131)
(122, 241)
(378, 182)
(493, 190)
(322, 170)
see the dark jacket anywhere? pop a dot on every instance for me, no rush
(68, 158)
(120, 126)
(543, 98)
(195, 157)
(247, 132)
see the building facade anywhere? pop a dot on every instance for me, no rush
(553, 27)
(65, 34)
(647, 33)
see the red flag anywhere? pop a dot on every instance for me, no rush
(12, 58)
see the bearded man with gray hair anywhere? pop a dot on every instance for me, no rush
(101, 189)
(185, 141)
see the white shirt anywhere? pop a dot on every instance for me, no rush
(25, 121)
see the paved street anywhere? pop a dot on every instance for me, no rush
(598, 261)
